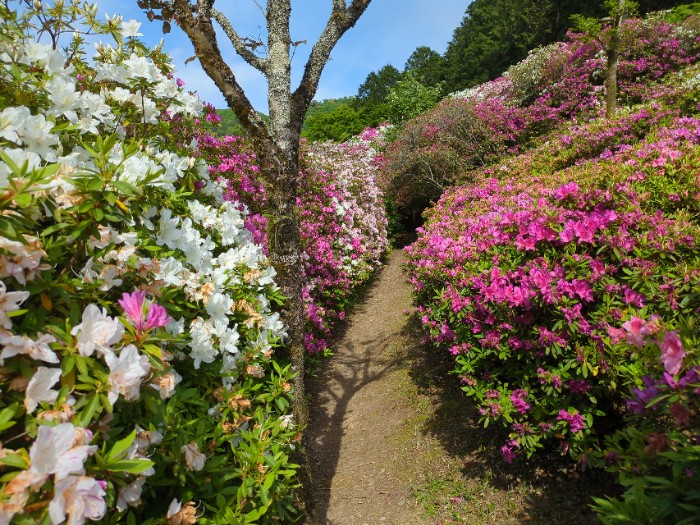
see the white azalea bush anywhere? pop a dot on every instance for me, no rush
(136, 313)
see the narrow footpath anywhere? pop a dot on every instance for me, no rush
(362, 463)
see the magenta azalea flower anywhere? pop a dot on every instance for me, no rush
(157, 317)
(133, 307)
(133, 303)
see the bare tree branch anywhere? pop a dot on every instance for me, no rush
(201, 32)
(241, 48)
(341, 19)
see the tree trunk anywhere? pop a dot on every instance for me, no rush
(612, 52)
(611, 76)
(284, 245)
(277, 149)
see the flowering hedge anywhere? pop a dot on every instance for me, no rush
(564, 279)
(556, 83)
(343, 222)
(135, 312)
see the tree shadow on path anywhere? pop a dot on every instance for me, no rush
(362, 357)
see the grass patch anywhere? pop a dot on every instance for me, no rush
(463, 478)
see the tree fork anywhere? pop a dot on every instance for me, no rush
(277, 147)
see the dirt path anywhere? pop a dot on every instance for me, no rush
(390, 427)
(360, 458)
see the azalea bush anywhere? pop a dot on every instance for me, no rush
(136, 312)
(526, 274)
(343, 221)
(524, 292)
(486, 124)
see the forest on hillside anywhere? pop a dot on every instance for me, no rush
(492, 36)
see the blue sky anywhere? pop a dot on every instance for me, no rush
(388, 32)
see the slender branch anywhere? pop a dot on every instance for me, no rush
(258, 63)
(341, 19)
(201, 33)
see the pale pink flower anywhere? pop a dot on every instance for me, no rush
(672, 353)
(179, 514)
(21, 344)
(9, 302)
(25, 263)
(60, 450)
(636, 331)
(126, 373)
(39, 387)
(145, 439)
(97, 331)
(193, 457)
(16, 493)
(81, 497)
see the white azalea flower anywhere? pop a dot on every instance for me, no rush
(275, 325)
(97, 331)
(145, 439)
(228, 340)
(60, 450)
(12, 120)
(176, 327)
(126, 373)
(19, 157)
(219, 306)
(130, 29)
(194, 459)
(202, 344)
(141, 68)
(80, 497)
(22, 345)
(64, 99)
(130, 496)
(166, 384)
(171, 271)
(119, 94)
(9, 302)
(267, 276)
(44, 55)
(39, 387)
(36, 135)
(169, 233)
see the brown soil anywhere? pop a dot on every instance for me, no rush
(359, 412)
(393, 441)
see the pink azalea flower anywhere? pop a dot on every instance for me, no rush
(672, 353)
(636, 331)
(133, 307)
(157, 317)
(133, 304)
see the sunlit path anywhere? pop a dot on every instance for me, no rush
(362, 468)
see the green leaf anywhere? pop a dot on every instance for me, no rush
(120, 447)
(15, 460)
(133, 466)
